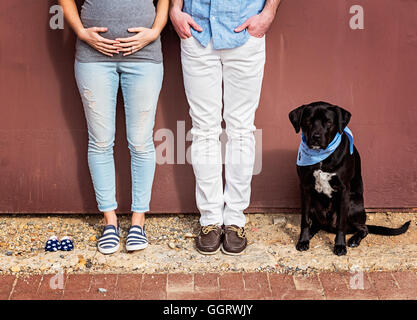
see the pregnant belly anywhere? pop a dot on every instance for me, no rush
(118, 29)
(118, 15)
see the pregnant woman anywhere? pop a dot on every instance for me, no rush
(119, 43)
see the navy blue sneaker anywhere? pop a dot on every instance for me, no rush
(136, 239)
(109, 241)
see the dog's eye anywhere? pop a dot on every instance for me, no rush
(329, 122)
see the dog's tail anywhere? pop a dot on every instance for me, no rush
(384, 231)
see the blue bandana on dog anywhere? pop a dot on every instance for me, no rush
(308, 157)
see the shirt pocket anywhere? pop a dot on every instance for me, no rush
(230, 9)
(226, 9)
(200, 8)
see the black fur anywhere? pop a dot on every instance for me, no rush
(344, 212)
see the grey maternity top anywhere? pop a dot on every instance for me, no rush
(118, 16)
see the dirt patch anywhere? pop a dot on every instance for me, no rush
(271, 238)
(262, 229)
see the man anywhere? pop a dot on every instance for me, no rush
(223, 58)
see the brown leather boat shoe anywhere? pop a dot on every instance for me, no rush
(209, 240)
(234, 242)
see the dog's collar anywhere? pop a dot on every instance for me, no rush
(308, 157)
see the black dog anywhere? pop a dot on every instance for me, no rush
(332, 190)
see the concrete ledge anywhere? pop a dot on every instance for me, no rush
(271, 247)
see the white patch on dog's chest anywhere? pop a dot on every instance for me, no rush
(322, 184)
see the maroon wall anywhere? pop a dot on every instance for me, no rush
(312, 55)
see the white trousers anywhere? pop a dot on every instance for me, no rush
(213, 78)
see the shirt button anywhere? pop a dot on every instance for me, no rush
(213, 18)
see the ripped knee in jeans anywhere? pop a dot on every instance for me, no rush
(143, 138)
(88, 95)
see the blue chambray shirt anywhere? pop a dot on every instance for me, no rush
(219, 18)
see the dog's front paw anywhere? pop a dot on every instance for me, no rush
(354, 242)
(303, 245)
(339, 250)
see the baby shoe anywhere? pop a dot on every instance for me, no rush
(66, 244)
(53, 244)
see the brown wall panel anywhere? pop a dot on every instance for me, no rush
(312, 54)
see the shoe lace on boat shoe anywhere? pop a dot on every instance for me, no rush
(207, 229)
(241, 232)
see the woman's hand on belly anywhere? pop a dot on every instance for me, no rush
(101, 44)
(135, 43)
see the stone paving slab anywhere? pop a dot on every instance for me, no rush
(211, 286)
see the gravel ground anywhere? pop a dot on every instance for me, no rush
(271, 247)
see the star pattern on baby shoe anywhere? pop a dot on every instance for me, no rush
(66, 244)
(52, 244)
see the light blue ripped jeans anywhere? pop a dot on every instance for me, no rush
(98, 83)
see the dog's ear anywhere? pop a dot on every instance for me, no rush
(295, 117)
(343, 118)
